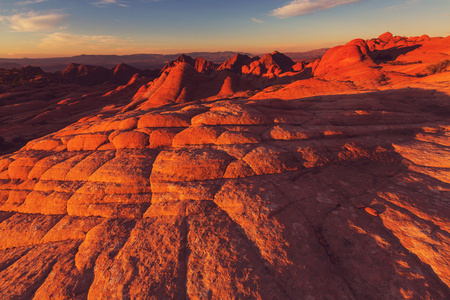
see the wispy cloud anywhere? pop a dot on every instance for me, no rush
(257, 20)
(404, 5)
(59, 40)
(103, 3)
(29, 2)
(34, 21)
(303, 7)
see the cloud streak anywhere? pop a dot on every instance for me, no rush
(23, 3)
(33, 21)
(103, 3)
(257, 20)
(75, 44)
(59, 40)
(304, 7)
(404, 5)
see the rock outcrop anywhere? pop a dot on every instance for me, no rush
(123, 73)
(348, 62)
(388, 40)
(183, 83)
(86, 75)
(200, 64)
(187, 79)
(376, 62)
(328, 197)
(236, 63)
(176, 85)
(23, 75)
(203, 66)
(95, 75)
(195, 191)
(270, 65)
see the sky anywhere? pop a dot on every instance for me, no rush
(56, 28)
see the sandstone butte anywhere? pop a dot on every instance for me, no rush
(261, 178)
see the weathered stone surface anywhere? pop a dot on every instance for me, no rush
(20, 167)
(85, 168)
(425, 154)
(231, 114)
(238, 168)
(337, 196)
(233, 138)
(286, 132)
(162, 138)
(269, 160)
(128, 124)
(86, 142)
(195, 164)
(371, 211)
(196, 136)
(130, 140)
(162, 120)
(25, 229)
(47, 145)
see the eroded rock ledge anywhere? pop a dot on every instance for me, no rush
(332, 197)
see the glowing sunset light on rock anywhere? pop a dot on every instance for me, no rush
(224, 175)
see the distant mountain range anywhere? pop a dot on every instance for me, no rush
(141, 61)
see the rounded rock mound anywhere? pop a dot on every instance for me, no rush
(325, 197)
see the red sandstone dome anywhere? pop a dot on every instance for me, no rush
(236, 63)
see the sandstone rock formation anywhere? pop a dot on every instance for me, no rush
(86, 75)
(36, 103)
(270, 65)
(349, 62)
(361, 66)
(29, 112)
(236, 63)
(23, 75)
(123, 73)
(235, 199)
(344, 195)
(387, 40)
(187, 79)
(95, 75)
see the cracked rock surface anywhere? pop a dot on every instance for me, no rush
(328, 197)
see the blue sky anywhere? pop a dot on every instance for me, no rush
(43, 28)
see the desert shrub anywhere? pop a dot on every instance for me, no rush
(438, 67)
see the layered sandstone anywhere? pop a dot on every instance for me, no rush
(343, 195)
(327, 197)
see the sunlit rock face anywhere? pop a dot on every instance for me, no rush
(338, 196)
